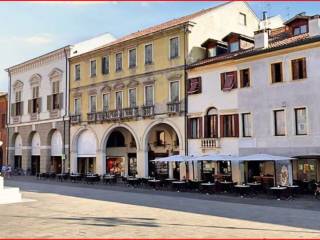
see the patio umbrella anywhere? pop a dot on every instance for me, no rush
(174, 158)
(215, 157)
(263, 157)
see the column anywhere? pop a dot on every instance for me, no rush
(237, 171)
(142, 163)
(73, 162)
(26, 159)
(45, 163)
(100, 163)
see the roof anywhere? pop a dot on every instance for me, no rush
(163, 26)
(298, 16)
(285, 42)
(237, 34)
(214, 41)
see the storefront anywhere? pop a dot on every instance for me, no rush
(115, 166)
(215, 170)
(18, 153)
(35, 154)
(86, 154)
(56, 164)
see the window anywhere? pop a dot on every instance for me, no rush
(195, 128)
(17, 111)
(244, 78)
(300, 30)
(132, 97)
(35, 102)
(279, 123)
(246, 125)
(212, 52)
(242, 19)
(174, 91)
(301, 121)
(276, 72)
(93, 68)
(148, 95)
(194, 85)
(229, 125)
(174, 47)
(55, 95)
(77, 72)
(118, 62)
(18, 96)
(119, 100)
(105, 102)
(132, 58)
(93, 104)
(77, 106)
(299, 69)
(234, 46)
(148, 54)
(105, 65)
(160, 138)
(229, 81)
(211, 124)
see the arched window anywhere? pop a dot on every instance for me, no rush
(116, 139)
(211, 123)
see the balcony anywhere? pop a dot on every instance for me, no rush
(75, 119)
(209, 143)
(16, 119)
(91, 117)
(147, 111)
(174, 107)
(113, 115)
(34, 116)
(130, 112)
(101, 116)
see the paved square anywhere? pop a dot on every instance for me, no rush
(62, 211)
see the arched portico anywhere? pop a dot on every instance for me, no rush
(35, 143)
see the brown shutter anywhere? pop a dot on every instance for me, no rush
(221, 125)
(215, 125)
(200, 127)
(60, 100)
(13, 109)
(236, 125)
(21, 108)
(29, 105)
(205, 127)
(39, 104)
(222, 76)
(189, 128)
(304, 68)
(295, 69)
(49, 105)
(235, 79)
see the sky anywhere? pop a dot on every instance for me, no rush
(29, 29)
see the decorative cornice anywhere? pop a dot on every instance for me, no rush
(105, 88)
(132, 84)
(119, 86)
(18, 85)
(35, 79)
(55, 74)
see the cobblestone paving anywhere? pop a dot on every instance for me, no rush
(81, 212)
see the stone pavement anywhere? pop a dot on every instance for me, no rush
(71, 211)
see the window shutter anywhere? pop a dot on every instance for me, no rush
(222, 76)
(103, 65)
(200, 127)
(295, 69)
(205, 128)
(13, 109)
(29, 105)
(273, 74)
(304, 67)
(221, 125)
(189, 128)
(215, 125)
(60, 100)
(49, 105)
(236, 125)
(21, 108)
(39, 104)
(235, 85)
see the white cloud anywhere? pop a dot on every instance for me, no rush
(38, 39)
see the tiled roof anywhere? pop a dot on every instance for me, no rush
(275, 43)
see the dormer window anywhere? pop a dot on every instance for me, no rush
(212, 52)
(237, 42)
(234, 46)
(214, 47)
(300, 30)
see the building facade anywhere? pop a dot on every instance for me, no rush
(128, 98)
(261, 99)
(3, 129)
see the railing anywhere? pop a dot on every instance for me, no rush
(113, 115)
(209, 143)
(174, 107)
(34, 116)
(91, 117)
(129, 112)
(75, 118)
(147, 111)
(101, 116)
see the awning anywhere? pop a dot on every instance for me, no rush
(263, 157)
(174, 158)
(216, 157)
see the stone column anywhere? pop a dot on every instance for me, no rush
(100, 163)
(73, 162)
(45, 163)
(1, 184)
(26, 159)
(11, 157)
(142, 163)
(237, 171)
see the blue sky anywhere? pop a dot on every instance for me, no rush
(30, 29)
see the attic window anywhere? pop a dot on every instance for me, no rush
(234, 46)
(242, 19)
(300, 30)
(212, 52)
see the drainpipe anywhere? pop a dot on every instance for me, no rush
(9, 114)
(65, 113)
(185, 91)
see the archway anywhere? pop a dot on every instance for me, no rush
(121, 152)
(35, 153)
(56, 164)
(86, 152)
(162, 140)
(17, 152)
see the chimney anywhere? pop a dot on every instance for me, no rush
(261, 38)
(264, 15)
(314, 25)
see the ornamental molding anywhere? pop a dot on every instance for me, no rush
(174, 76)
(18, 85)
(35, 79)
(105, 88)
(149, 81)
(92, 91)
(132, 83)
(118, 86)
(55, 74)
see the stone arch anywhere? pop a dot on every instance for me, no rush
(35, 144)
(35, 79)
(17, 143)
(56, 143)
(78, 134)
(211, 109)
(17, 85)
(55, 73)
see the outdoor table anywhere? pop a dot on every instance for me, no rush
(90, 178)
(168, 181)
(195, 184)
(61, 176)
(179, 185)
(255, 186)
(208, 187)
(278, 191)
(226, 186)
(243, 189)
(292, 190)
(132, 181)
(108, 178)
(154, 183)
(75, 177)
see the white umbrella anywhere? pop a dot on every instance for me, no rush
(263, 157)
(215, 157)
(174, 158)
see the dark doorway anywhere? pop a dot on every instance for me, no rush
(35, 165)
(116, 139)
(86, 165)
(159, 170)
(56, 164)
(132, 164)
(17, 162)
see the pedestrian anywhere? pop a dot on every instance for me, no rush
(9, 169)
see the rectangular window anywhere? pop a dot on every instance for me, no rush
(77, 106)
(194, 85)
(234, 46)
(35, 92)
(77, 72)
(211, 126)
(93, 68)
(229, 125)
(298, 67)
(229, 81)
(132, 97)
(119, 100)
(18, 96)
(242, 19)
(55, 95)
(93, 104)
(35, 102)
(174, 91)
(105, 102)
(148, 95)
(276, 72)
(246, 125)
(301, 121)
(300, 30)
(105, 65)
(132, 58)
(244, 78)
(195, 128)
(148, 54)
(160, 138)
(174, 47)
(118, 62)
(279, 123)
